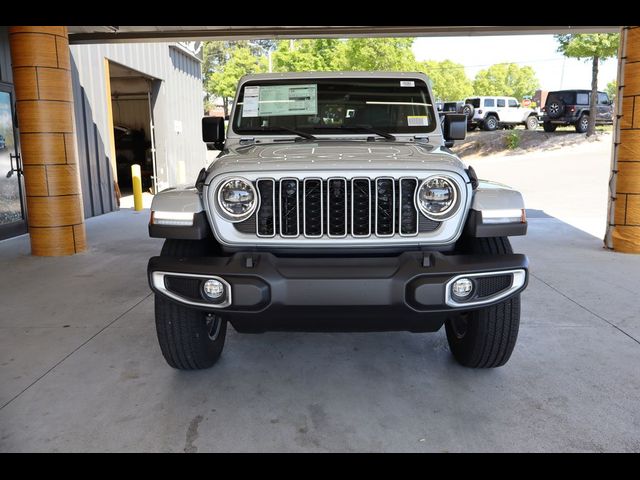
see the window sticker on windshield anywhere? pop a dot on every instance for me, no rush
(281, 100)
(407, 83)
(250, 103)
(418, 121)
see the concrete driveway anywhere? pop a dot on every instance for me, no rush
(80, 368)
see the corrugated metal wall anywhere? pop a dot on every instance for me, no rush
(176, 102)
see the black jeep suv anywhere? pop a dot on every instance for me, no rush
(571, 107)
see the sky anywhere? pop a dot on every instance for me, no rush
(554, 71)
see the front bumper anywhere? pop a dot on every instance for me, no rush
(379, 293)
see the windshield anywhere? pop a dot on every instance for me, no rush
(334, 105)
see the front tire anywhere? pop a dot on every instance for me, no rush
(190, 339)
(485, 338)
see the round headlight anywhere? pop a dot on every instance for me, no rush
(237, 199)
(436, 198)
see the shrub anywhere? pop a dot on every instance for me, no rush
(513, 139)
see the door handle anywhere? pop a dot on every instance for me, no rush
(17, 169)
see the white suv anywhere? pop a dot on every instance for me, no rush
(491, 113)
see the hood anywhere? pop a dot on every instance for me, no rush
(335, 155)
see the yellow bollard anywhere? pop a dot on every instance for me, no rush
(136, 179)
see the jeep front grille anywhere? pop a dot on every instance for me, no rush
(337, 207)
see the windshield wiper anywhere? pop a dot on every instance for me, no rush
(299, 133)
(366, 128)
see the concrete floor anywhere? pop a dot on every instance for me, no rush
(80, 368)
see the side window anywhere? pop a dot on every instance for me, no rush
(603, 99)
(583, 99)
(513, 103)
(501, 102)
(489, 102)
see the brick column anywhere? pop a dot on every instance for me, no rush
(625, 233)
(44, 102)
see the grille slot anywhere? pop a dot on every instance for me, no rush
(408, 224)
(266, 219)
(289, 206)
(337, 207)
(385, 207)
(360, 207)
(312, 207)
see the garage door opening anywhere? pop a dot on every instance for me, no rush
(133, 127)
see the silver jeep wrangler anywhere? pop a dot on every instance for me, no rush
(335, 204)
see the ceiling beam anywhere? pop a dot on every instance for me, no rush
(102, 34)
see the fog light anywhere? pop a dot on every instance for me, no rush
(462, 287)
(213, 289)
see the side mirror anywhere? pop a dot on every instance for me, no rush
(213, 131)
(455, 126)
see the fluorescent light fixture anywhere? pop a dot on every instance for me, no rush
(177, 219)
(371, 102)
(512, 215)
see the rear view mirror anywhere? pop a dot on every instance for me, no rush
(213, 131)
(455, 126)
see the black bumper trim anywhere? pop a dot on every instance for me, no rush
(399, 289)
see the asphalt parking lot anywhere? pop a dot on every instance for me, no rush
(81, 370)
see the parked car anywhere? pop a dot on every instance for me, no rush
(369, 223)
(3, 143)
(490, 113)
(456, 107)
(571, 107)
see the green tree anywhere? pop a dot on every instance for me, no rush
(448, 79)
(224, 80)
(594, 47)
(507, 79)
(308, 55)
(385, 54)
(612, 90)
(215, 56)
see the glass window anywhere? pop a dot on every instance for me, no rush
(489, 102)
(583, 99)
(568, 98)
(332, 105)
(10, 200)
(473, 101)
(500, 102)
(513, 102)
(603, 99)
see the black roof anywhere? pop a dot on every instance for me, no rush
(577, 90)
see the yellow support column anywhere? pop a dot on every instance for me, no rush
(42, 78)
(626, 230)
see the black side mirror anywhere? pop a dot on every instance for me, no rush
(455, 126)
(213, 131)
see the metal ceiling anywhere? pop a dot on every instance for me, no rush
(114, 34)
